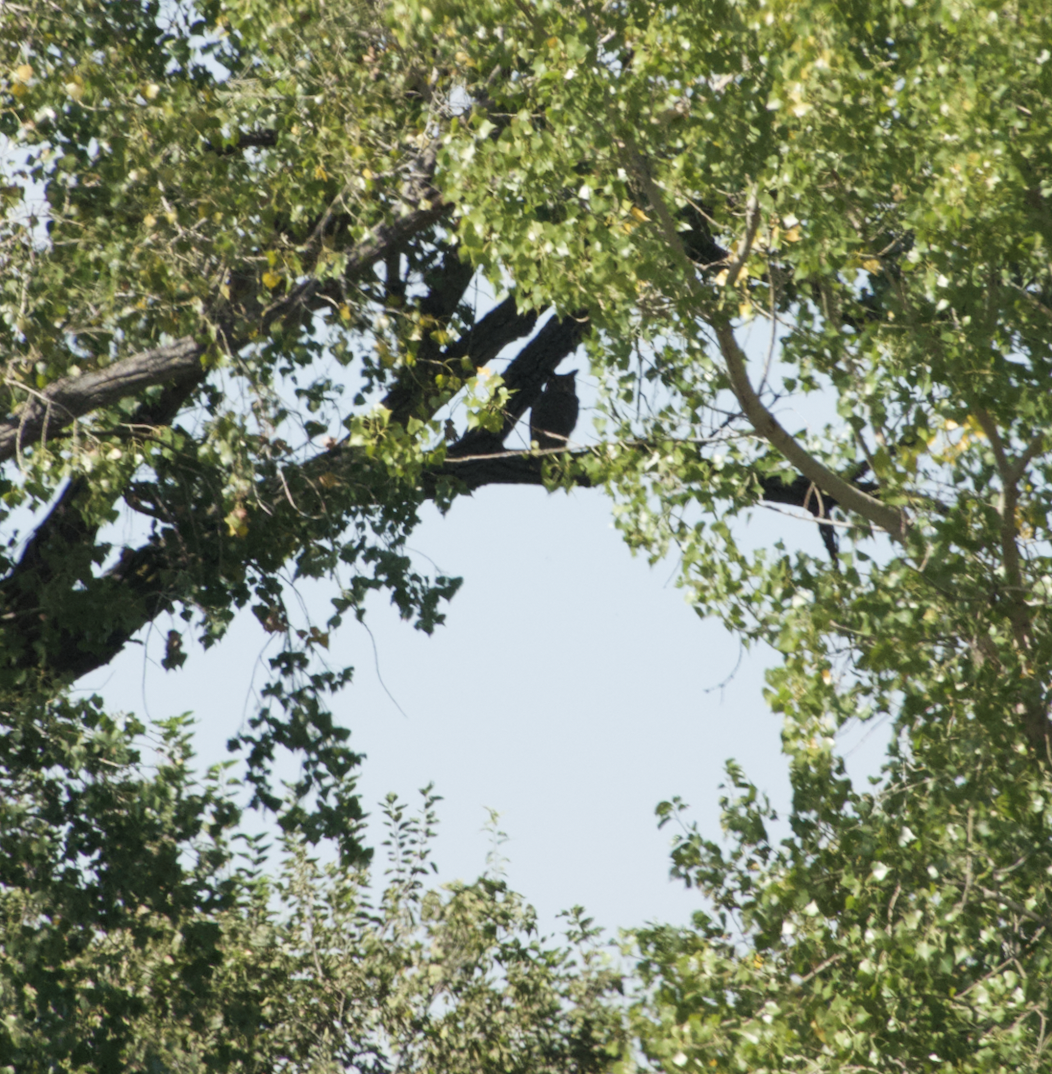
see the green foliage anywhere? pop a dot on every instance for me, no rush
(902, 930)
(872, 182)
(215, 966)
(205, 173)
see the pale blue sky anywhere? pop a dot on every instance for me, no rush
(571, 689)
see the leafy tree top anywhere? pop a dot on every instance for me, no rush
(239, 316)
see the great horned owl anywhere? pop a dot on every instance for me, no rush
(554, 413)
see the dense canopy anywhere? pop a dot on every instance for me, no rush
(241, 249)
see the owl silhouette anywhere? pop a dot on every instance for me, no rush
(554, 414)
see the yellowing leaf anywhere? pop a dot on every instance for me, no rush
(345, 313)
(235, 522)
(792, 235)
(639, 214)
(271, 279)
(320, 172)
(23, 73)
(871, 264)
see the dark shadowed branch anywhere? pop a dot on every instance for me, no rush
(524, 378)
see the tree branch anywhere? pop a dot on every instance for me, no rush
(152, 578)
(480, 345)
(890, 519)
(59, 404)
(49, 618)
(1034, 710)
(191, 548)
(53, 409)
(524, 378)
(1006, 469)
(762, 420)
(502, 468)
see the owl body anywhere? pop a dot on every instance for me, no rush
(554, 414)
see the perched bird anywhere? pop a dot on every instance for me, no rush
(554, 413)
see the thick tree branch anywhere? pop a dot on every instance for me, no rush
(63, 621)
(480, 345)
(154, 577)
(192, 546)
(502, 468)
(176, 562)
(447, 283)
(50, 411)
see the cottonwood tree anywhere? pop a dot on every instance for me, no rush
(251, 202)
(879, 178)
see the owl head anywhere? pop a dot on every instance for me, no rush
(562, 382)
